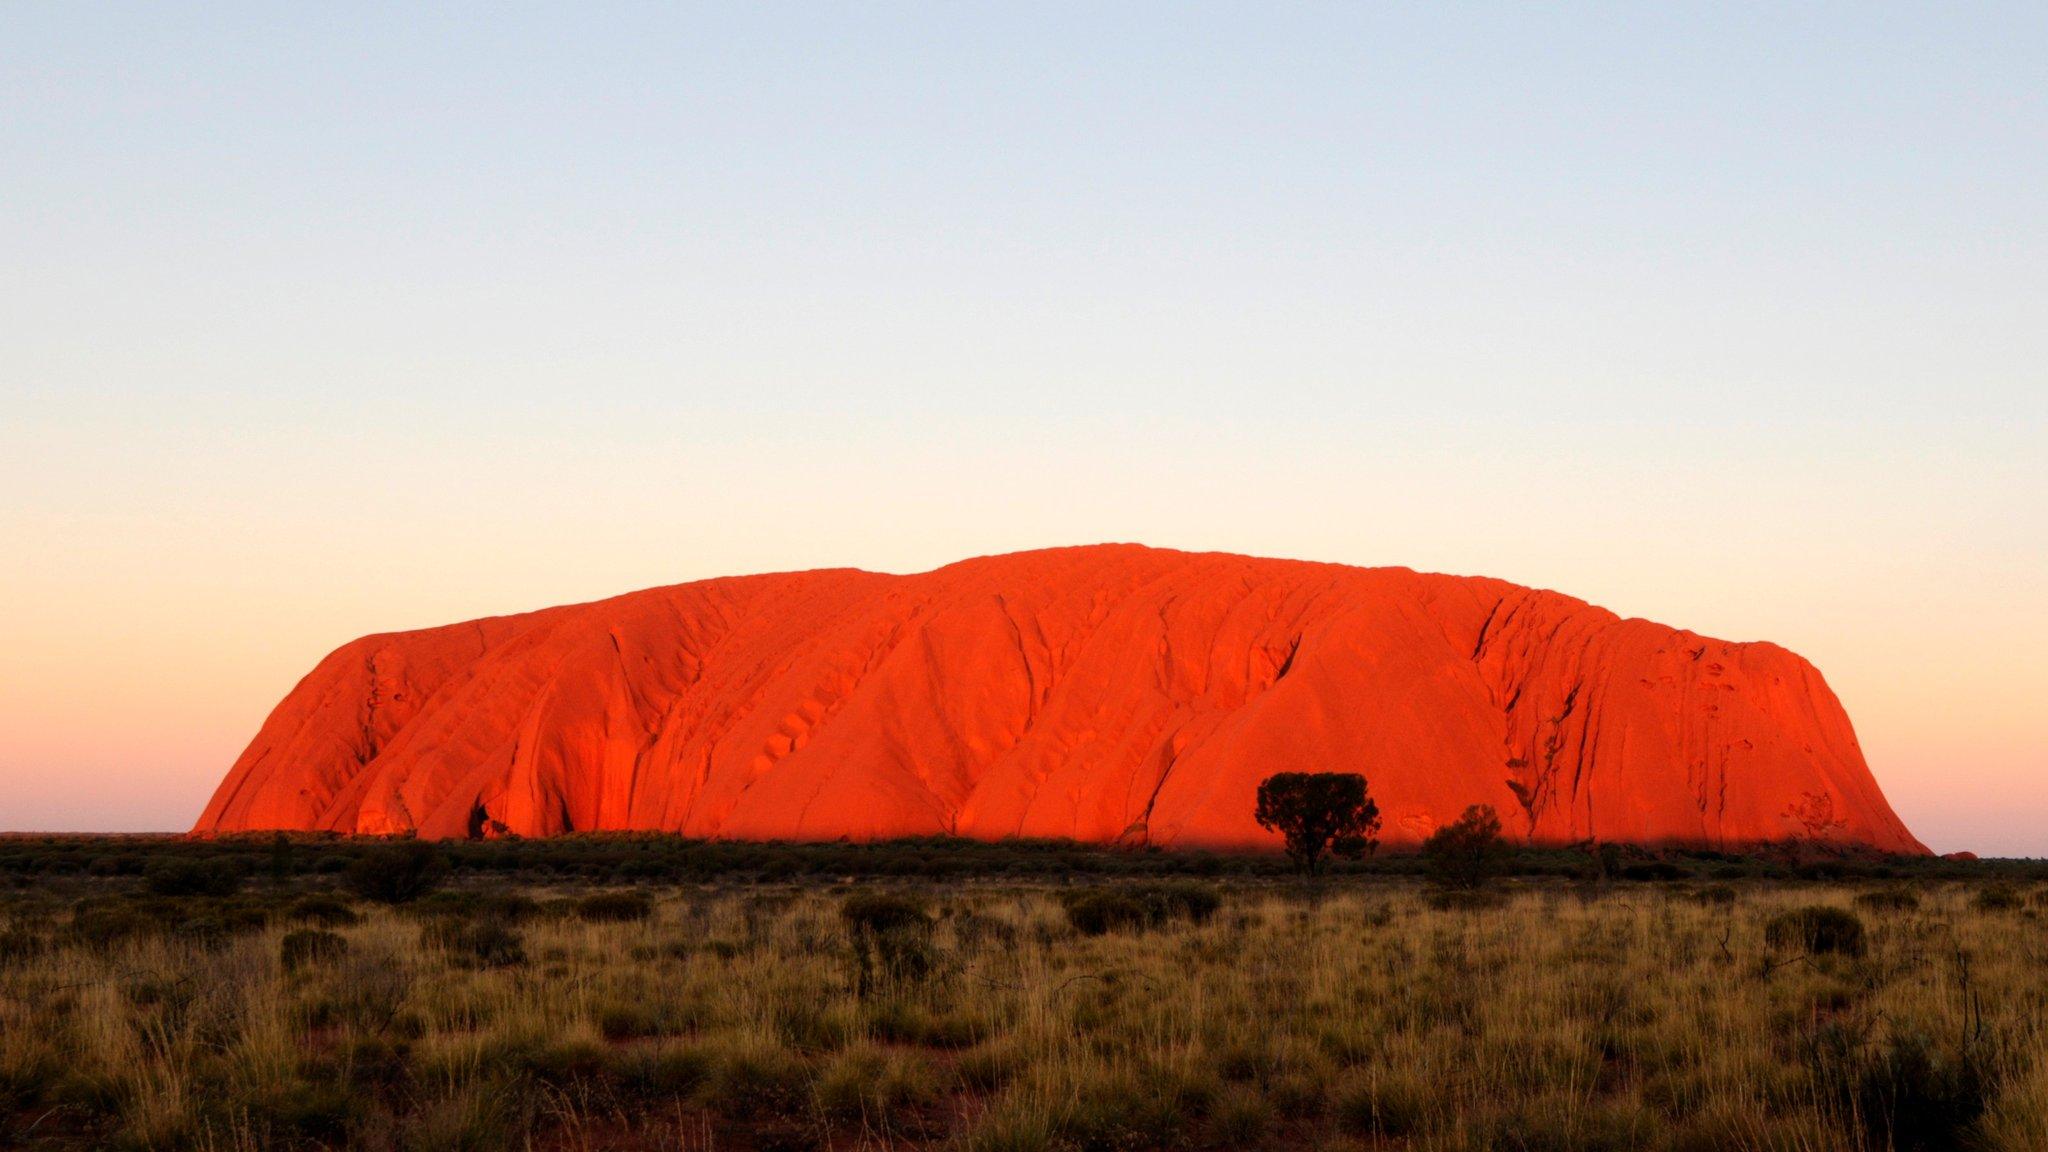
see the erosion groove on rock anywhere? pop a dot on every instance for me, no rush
(1108, 693)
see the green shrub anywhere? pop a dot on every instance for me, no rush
(475, 944)
(177, 877)
(1094, 911)
(632, 1072)
(866, 1084)
(987, 1068)
(1468, 852)
(1466, 900)
(323, 909)
(975, 929)
(1195, 903)
(304, 947)
(1241, 1119)
(564, 1062)
(474, 1118)
(672, 1071)
(1997, 898)
(890, 937)
(622, 1021)
(1014, 1128)
(1124, 1111)
(1912, 1095)
(1816, 929)
(209, 921)
(100, 924)
(1101, 910)
(871, 912)
(1887, 900)
(614, 907)
(756, 1082)
(315, 1112)
(372, 1062)
(1381, 1105)
(397, 873)
(19, 945)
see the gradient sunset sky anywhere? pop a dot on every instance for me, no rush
(319, 321)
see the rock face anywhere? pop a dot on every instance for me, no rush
(1111, 693)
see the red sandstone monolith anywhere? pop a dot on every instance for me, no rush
(1109, 693)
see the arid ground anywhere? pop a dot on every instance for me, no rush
(648, 993)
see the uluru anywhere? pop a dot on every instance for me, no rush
(1111, 693)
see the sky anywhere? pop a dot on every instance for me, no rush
(324, 320)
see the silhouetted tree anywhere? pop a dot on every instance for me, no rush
(1320, 813)
(1467, 852)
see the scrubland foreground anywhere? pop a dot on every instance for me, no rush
(194, 1010)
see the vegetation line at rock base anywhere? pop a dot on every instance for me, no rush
(661, 857)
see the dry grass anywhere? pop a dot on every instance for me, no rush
(1645, 1017)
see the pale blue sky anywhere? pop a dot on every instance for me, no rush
(322, 321)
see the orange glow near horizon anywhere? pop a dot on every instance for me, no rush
(142, 659)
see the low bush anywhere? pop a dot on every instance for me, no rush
(1094, 911)
(1381, 1105)
(397, 873)
(890, 937)
(671, 1072)
(1886, 900)
(1126, 1111)
(870, 912)
(323, 909)
(871, 1085)
(209, 921)
(614, 907)
(318, 1113)
(19, 945)
(373, 1062)
(1241, 1119)
(571, 1061)
(1816, 929)
(757, 1083)
(1195, 903)
(471, 1118)
(987, 1068)
(1100, 910)
(1466, 900)
(1914, 1095)
(180, 877)
(905, 1021)
(1997, 898)
(475, 943)
(1469, 851)
(620, 1020)
(103, 924)
(304, 947)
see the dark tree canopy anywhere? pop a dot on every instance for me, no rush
(1320, 813)
(1469, 851)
